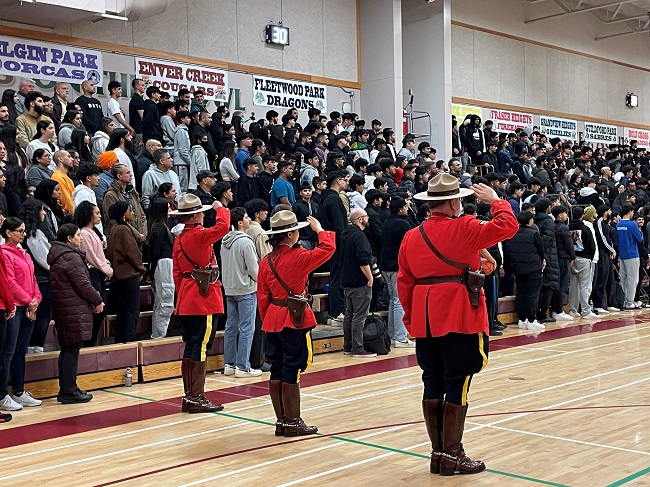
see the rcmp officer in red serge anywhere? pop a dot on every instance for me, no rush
(288, 344)
(198, 293)
(451, 332)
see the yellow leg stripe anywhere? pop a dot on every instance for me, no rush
(481, 347)
(206, 338)
(465, 387)
(310, 352)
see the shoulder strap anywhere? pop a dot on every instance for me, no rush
(180, 244)
(277, 277)
(438, 254)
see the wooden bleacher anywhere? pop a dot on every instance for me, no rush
(105, 365)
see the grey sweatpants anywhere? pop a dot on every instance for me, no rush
(580, 285)
(629, 279)
(163, 298)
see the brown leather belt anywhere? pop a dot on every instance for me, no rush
(425, 281)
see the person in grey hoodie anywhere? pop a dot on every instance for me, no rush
(168, 125)
(239, 278)
(158, 173)
(182, 149)
(198, 160)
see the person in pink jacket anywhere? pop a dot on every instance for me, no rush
(22, 280)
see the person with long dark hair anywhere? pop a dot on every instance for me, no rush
(288, 345)
(49, 192)
(99, 142)
(10, 98)
(125, 257)
(20, 274)
(38, 239)
(15, 154)
(15, 189)
(74, 300)
(160, 244)
(88, 217)
(41, 167)
(79, 141)
(44, 132)
(121, 142)
(71, 121)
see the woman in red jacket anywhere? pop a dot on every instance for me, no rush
(21, 277)
(7, 311)
(288, 347)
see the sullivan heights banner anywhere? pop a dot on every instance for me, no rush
(41, 60)
(171, 77)
(283, 93)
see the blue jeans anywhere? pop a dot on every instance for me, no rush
(396, 328)
(19, 331)
(240, 321)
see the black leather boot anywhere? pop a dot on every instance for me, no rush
(293, 424)
(275, 391)
(453, 459)
(432, 411)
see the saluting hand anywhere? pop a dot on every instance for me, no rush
(314, 224)
(484, 193)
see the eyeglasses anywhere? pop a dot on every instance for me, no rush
(19, 230)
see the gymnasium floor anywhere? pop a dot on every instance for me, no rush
(568, 407)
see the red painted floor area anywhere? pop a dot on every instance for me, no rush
(94, 421)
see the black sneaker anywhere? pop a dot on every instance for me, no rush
(5, 418)
(76, 397)
(495, 333)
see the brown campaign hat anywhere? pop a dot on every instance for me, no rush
(443, 187)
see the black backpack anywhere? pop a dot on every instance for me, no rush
(375, 335)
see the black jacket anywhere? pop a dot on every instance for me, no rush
(247, 189)
(355, 253)
(563, 241)
(144, 161)
(218, 135)
(526, 251)
(209, 217)
(546, 226)
(265, 180)
(373, 230)
(392, 234)
(580, 233)
(151, 128)
(302, 209)
(333, 214)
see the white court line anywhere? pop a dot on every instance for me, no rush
(560, 438)
(266, 403)
(290, 457)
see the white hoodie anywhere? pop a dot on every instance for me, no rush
(84, 193)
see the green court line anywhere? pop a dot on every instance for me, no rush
(389, 449)
(630, 478)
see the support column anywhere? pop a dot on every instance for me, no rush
(381, 63)
(427, 67)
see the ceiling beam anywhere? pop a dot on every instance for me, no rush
(571, 12)
(640, 31)
(625, 19)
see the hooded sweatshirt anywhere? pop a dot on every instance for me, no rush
(356, 252)
(589, 196)
(84, 193)
(99, 143)
(65, 134)
(198, 163)
(152, 180)
(239, 264)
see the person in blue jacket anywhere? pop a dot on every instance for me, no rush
(628, 234)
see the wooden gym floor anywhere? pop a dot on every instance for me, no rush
(567, 407)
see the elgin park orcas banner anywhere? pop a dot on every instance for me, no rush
(641, 136)
(558, 127)
(171, 77)
(507, 121)
(600, 133)
(41, 60)
(283, 93)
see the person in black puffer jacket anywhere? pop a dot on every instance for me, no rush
(565, 257)
(551, 275)
(527, 263)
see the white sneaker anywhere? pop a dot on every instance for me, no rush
(228, 369)
(30, 350)
(638, 304)
(590, 315)
(8, 404)
(562, 317)
(574, 314)
(26, 399)
(335, 322)
(601, 311)
(38, 349)
(535, 325)
(613, 309)
(405, 344)
(523, 325)
(240, 373)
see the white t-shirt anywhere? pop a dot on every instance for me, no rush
(37, 144)
(113, 108)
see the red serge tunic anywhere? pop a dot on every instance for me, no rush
(197, 243)
(293, 266)
(445, 307)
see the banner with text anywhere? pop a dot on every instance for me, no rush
(283, 93)
(558, 127)
(600, 133)
(461, 111)
(507, 121)
(171, 77)
(641, 136)
(41, 60)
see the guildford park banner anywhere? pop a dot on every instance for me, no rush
(558, 127)
(600, 133)
(35, 59)
(171, 76)
(284, 94)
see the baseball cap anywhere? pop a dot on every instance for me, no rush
(204, 173)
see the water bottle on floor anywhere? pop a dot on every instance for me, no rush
(128, 378)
